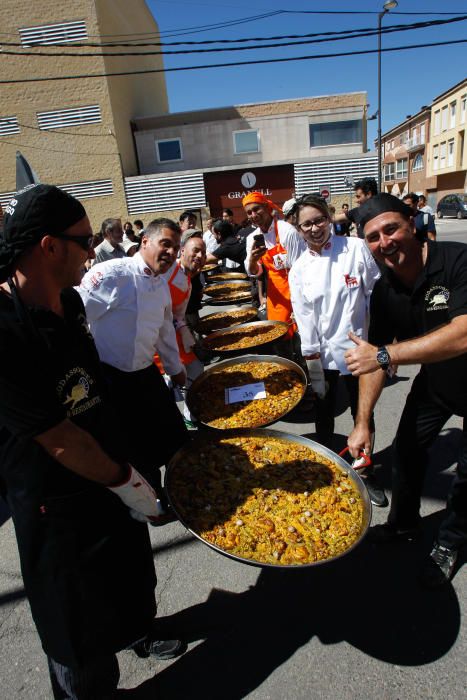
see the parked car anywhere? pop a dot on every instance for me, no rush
(452, 205)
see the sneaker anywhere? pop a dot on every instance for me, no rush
(159, 649)
(438, 567)
(387, 533)
(375, 491)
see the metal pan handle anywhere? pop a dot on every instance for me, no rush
(364, 459)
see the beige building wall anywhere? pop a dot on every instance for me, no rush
(84, 152)
(207, 136)
(448, 152)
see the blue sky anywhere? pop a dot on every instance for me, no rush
(410, 79)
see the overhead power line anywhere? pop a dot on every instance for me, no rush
(55, 150)
(275, 45)
(347, 33)
(232, 63)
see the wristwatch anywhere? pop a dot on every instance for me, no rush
(383, 357)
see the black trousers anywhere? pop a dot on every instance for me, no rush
(420, 424)
(147, 408)
(325, 408)
(95, 681)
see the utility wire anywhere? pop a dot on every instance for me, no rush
(230, 64)
(372, 32)
(357, 32)
(55, 150)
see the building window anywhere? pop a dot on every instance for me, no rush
(401, 169)
(389, 170)
(463, 108)
(169, 150)
(444, 118)
(417, 163)
(9, 125)
(437, 123)
(442, 155)
(452, 115)
(333, 133)
(65, 32)
(422, 133)
(246, 141)
(62, 118)
(450, 152)
(435, 157)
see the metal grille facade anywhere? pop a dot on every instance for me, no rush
(61, 33)
(75, 116)
(88, 190)
(335, 175)
(163, 193)
(5, 198)
(9, 125)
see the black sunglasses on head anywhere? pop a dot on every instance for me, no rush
(84, 242)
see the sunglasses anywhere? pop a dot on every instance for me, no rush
(84, 242)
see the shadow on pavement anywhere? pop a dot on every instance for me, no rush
(369, 599)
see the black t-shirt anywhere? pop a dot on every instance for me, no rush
(232, 248)
(196, 294)
(352, 216)
(439, 295)
(424, 224)
(49, 371)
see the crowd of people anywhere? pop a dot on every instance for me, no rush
(91, 325)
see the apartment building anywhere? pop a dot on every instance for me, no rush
(76, 132)
(448, 154)
(405, 155)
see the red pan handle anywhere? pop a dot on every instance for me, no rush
(367, 458)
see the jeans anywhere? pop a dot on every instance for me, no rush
(420, 424)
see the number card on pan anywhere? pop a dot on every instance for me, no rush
(248, 392)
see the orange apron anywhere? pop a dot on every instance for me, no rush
(178, 297)
(279, 307)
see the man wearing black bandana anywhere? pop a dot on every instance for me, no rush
(421, 301)
(78, 508)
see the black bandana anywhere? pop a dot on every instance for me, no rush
(380, 204)
(33, 212)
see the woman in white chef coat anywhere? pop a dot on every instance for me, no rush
(330, 286)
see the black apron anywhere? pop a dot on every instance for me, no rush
(87, 565)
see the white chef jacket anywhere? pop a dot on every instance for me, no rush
(289, 238)
(330, 297)
(129, 311)
(210, 241)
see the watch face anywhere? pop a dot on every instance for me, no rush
(382, 357)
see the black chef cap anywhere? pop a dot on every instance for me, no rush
(32, 213)
(380, 204)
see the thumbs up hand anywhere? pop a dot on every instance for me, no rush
(362, 358)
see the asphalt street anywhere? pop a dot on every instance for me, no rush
(358, 628)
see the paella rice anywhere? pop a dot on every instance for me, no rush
(224, 319)
(247, 337)
(284, 389)
(226, 289)
(269, 500)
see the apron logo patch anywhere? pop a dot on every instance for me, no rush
(280, 261)
(437, 298)
(96, 279)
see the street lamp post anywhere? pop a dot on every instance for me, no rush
(389, 5)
